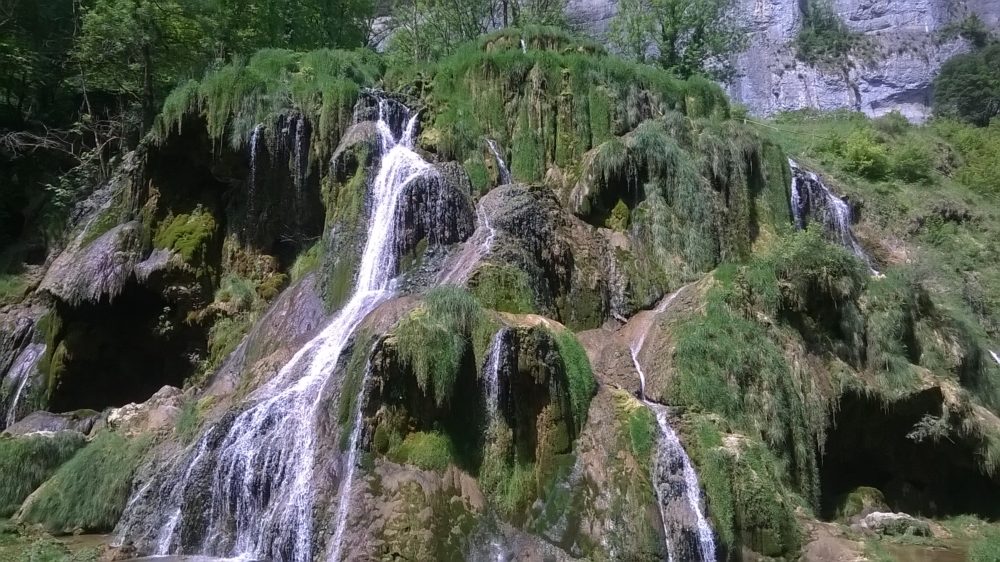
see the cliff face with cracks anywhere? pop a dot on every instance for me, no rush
(906, 42)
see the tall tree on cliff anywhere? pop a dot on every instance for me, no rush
(683, 36)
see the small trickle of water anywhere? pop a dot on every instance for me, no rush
(18, 377)
(668, 453)
(501, 165)
(995, 356)
(524, 46)
(491, 371)
(811, 198)
(347, 482)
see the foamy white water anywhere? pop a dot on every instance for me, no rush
(18, 377)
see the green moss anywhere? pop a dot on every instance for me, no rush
(428, 450)
(187, 235)
(351, 390)
(527, 156)
(619, 219)
(475, 168)
(89, 492)
(582, 384)
(434, 337)
(233, 99)
(13, 287)
(746, 497)
(986, 549)
(642, 431)
(188, 421)
(504, 288)
(860, 501)
(306, 262)
(26, 462)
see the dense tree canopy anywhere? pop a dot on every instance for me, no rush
(968, 87)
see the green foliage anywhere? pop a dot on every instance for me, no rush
(89, 492)
(986, 549)
(691, 36)
(746, 497)
(504, 288)
(12, 287)
(26, 462)
(968, 87)
(891, 311)
(582, 384)
(322, 85)
(351, 391)
(865, 155)
(31, 545)
(427, 450)
(549, 104)
(980, 166)
(912, 162)
(434, 338)
(823, 38)
(619, 219)
(188, 235)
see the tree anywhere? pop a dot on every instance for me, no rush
(968, 87)
(684, 36)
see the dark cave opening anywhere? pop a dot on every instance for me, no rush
(869, 444)
(625, 185)
(120, 351)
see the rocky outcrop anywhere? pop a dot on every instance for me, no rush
(895, 524)
(906, 46)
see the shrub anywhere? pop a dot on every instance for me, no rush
(968, 87)
(306, 262)
(865, 155)
(90, 491)
(893, 123)
(823, 38)
(26, 462)
(912, 162)
(188, 235)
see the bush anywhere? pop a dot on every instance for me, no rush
(968, 87)
(912, 162)
(188, 235)
(26, 462)
(90, 491)
(823, 37)
(865, 155)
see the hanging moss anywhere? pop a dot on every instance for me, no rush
(434, 337)
(187, 235)
(503, 288)
(26, 462)
(321, 85)
(582, 383)
(89, 492)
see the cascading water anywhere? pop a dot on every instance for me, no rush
(18, 377)
(812, 199)
(501, 164)
(670, 460)
(261, 465)
(995, 357)
(491, 372)
(347, 482)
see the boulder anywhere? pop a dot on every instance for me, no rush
(81, 421)
(157, 413)
(895, 524)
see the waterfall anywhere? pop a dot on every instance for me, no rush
(995, 357)
(18, 377)
(347, 482)
(501, 165)
(811, 199)
(524, 46)
(259, 465)
(671, 459)
(491, 371)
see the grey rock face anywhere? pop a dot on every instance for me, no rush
(906, 48)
